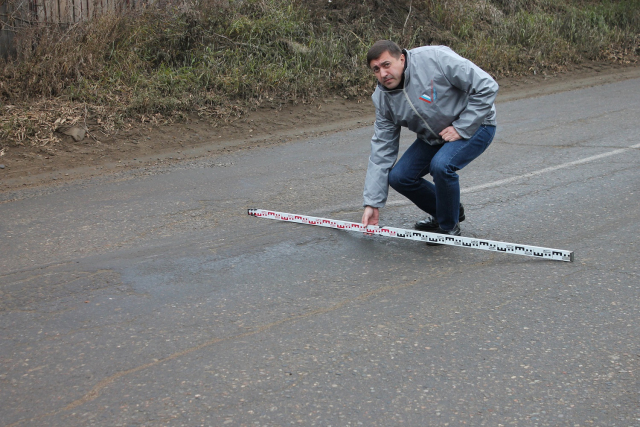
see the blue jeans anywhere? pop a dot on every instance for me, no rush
(442, 200)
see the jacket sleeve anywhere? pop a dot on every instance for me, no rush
(480, 87)
(384, 153)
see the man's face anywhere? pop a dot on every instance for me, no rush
(388, 70)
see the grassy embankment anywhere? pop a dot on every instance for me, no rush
(220, 58)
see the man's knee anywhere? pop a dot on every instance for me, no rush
(442, 170)
(397, 180)
(394, 179)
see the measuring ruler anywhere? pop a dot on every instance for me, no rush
(423, 236)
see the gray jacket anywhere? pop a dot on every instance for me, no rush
(440, 89)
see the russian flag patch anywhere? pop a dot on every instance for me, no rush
(429, 99)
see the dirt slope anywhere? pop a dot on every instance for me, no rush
(148, 145)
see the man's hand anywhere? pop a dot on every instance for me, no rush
(370, 216)
(450, 134)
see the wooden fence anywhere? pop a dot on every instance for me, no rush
(60, 11)
(72, 11)
(17, 14)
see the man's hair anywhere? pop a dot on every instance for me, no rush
(382, 46)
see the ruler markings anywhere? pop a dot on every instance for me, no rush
(461, 241)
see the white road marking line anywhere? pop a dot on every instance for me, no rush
(405, 202)
(545, 170)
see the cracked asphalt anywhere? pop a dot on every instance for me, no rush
(151, 298)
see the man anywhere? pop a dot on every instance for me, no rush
(448, 102)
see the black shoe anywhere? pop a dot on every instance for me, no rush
(431, 224)
(454, 232)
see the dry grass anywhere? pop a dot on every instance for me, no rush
(219, 59)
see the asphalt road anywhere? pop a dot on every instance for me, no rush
(151, 298)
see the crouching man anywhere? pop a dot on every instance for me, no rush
(449, 103)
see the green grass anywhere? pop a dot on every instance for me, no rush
(221, 61)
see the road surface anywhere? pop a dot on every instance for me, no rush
(151, 298)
